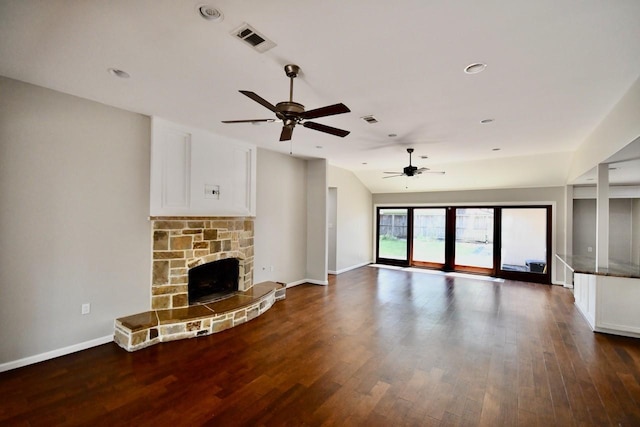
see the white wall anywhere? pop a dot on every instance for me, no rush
(353, 221)
(515, 196)
(280, 238)
(619, 128)
(74, 205)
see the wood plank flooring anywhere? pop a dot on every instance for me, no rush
(377, 347)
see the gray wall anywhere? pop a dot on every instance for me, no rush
(74, 203)
(584, 227)
(635, 227)
(280, 241)
(354, 220)
(555, 195)
(623, 228)
(317, 241)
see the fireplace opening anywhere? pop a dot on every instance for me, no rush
(213, 281)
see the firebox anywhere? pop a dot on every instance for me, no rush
(213, 281)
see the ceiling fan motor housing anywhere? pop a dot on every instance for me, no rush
(289, 110)
(410, 170)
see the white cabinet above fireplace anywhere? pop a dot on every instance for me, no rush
(198, 173)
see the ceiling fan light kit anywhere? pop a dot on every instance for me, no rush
(292, 113)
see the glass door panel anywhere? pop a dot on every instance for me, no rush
(393, 225)
(474, 238)
(429, 229)
(524, 240)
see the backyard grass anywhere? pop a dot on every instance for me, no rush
(473, 254)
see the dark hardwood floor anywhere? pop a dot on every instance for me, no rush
(377, 347)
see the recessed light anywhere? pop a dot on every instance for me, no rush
(475, 68)
(392, 135)
(485, 121)
(613, 168)
(319, 147)
(210, 13)
(119, 73)
(495, 149)
(424, 157)
(364, 163)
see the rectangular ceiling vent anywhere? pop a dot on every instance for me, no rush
(253, 38)
(369, 119)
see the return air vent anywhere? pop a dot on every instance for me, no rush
(253, 38)
(369, 119)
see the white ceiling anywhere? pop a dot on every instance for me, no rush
(555, 68)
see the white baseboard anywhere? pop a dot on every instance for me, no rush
(353, 267)
(54, 353)
(303, 281)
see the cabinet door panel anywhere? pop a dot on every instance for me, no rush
(176, 155)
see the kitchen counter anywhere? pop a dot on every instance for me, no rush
(587, 265)
(608, 298)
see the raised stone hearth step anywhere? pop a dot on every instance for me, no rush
(151, 327)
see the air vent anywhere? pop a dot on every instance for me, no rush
(253, 38)
(369, 119)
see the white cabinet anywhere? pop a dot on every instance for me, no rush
(584, 287)
(198, 173)
(610, 304)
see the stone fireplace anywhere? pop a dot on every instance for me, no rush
(182, 243)
(187, 246)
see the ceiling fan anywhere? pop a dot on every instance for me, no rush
(292, 113)
(411, 170)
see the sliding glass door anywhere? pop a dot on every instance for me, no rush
(474, 240)
(525, 243)
(429, 232)
(393, 232)
(504, 241)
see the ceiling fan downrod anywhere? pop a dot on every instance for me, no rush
(291, 70)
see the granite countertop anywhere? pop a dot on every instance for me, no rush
(587, 265)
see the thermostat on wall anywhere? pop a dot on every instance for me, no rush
(211, 191)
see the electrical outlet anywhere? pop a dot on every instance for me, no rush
(86, 308)
(589, 249)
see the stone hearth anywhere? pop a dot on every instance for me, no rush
(152, 327)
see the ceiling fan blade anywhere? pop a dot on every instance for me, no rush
(329, 110)
(434, 172)
(392, 176)
(326, 129)
(259, 100)
(394, 172)
(286, 133)
(249, 121)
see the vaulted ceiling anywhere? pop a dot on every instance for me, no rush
(554, 69)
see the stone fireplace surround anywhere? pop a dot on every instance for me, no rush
(179, 244)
